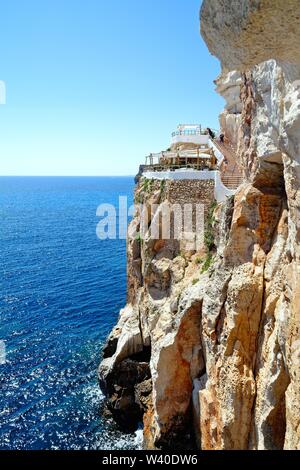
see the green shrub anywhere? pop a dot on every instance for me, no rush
(207, 263)
(209, 233)
(147, 185)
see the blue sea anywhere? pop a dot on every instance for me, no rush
(60, 292)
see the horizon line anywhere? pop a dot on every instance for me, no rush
(67, 176)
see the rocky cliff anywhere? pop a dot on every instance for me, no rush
(207, 350)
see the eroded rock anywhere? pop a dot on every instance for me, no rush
(225, 362)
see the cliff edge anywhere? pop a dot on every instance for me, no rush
(207, 350)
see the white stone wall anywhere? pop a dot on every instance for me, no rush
(190, 139)
(221, 192)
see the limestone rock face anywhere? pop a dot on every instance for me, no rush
(231, 319)
(154, 353)
(243, 33)
(228, 85)
(261, 392)
(212, 356)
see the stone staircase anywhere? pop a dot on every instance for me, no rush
(231, 174)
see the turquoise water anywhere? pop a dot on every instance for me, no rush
(61, 290)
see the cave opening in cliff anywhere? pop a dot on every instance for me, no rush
(269, 176)
(142, 356)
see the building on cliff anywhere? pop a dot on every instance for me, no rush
(144, 355)
(197, 154)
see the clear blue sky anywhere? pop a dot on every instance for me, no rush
(93, 86)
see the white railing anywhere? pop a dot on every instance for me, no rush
(188, 132)
(193, 131)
